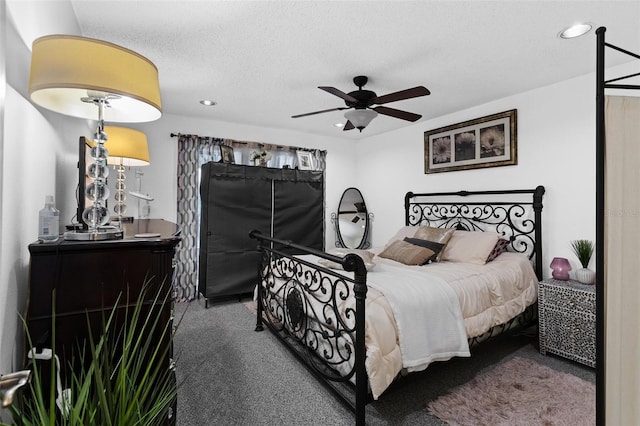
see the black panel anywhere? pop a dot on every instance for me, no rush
(237, 199)
(231, 273)
(234, 200)
(236, 205)
(298, 213)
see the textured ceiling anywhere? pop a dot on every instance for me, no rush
(262, 61)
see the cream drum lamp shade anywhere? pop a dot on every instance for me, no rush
(67, 69)
(126, 146)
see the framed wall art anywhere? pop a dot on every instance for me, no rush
(489, 141)
(226, 154)
(305, 160)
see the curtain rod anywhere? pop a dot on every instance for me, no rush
(177, 135)
(173, 135)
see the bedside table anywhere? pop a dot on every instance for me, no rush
(567, 320)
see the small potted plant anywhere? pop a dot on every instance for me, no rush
(260, 158)
(583, 249)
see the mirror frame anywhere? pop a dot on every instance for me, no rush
(365, 242)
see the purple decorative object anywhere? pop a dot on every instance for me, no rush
(561, 268)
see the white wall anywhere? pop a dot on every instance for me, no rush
(4, 359)
(556, 148)
(38, 158)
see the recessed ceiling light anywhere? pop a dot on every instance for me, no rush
(575, 31)
(207, 102)
(339, 124)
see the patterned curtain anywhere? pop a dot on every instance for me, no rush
(193, 152)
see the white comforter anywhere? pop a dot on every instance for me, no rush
(488, 295)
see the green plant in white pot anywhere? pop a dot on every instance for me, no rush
(583, 249)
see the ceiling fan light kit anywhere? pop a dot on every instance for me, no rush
(360, 118)
(361, 102)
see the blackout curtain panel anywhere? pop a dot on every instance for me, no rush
(622, 259)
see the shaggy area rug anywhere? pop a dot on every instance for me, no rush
(519, 392)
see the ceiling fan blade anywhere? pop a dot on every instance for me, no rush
(392, 112)
(348, 126)
(402, 94)
(319, 112)
(338, 93)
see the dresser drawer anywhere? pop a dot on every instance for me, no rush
(567, 298)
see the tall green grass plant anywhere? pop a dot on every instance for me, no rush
(125, 379)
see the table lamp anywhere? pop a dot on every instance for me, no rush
(127, 148)
(561, 268)
(89, 78)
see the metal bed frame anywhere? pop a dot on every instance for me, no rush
(601, 85)
(301, 302)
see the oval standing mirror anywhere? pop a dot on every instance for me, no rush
(352, 221)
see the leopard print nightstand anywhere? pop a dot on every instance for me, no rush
(567, 320)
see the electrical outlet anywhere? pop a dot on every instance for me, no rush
(46, 354)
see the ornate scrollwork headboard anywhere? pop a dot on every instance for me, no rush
(516, 215)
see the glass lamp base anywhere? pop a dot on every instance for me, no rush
(560, 275)
(103, 233)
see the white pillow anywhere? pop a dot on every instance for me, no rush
(469, 247)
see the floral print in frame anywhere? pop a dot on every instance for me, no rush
(484, 142)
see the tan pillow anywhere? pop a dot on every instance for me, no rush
(366, 256)
(470, 247)
(438, 235)
(407, 253)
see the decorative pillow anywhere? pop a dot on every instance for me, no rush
(366, 256)
(498, 249)
(470, 247)
(431, 245)
(407, 253)
(438, 235)
(405, 231)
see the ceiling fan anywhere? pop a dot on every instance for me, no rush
(360, 103)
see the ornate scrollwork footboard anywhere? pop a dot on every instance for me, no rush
(317, 312)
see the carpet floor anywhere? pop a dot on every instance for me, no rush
(229, 374)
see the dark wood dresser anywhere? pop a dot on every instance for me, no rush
(88, 277)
